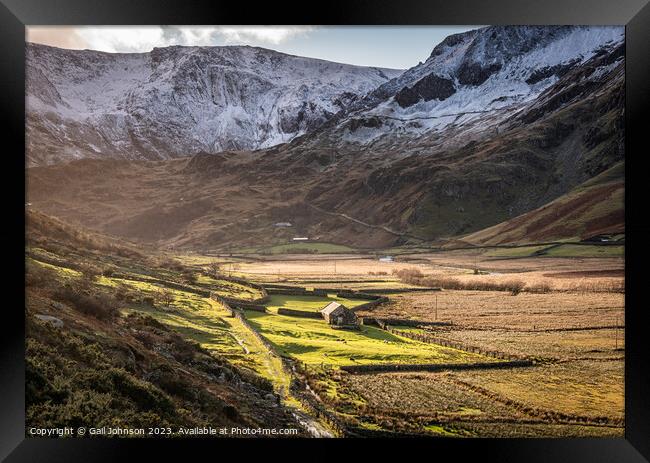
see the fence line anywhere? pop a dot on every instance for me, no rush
(397, 290)
(383, 322)
(357, 295)
(243, 304)
(374, 300)
(370, 305)
(425, 337)
(297, 292)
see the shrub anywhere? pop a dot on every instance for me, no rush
(215, 269)
(189, 277)
(514, 286)
(108, 272)
(184, 350)
(100, 306)
(173, 383)
(258, 381)
(89, 272)
(166, 297)
(300, 251)
(171, 264)
(37, 275)
(540, 288)
(145, 395)
(415, 277)
(146, 338)
(409, 275)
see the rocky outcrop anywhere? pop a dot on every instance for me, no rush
(431, 87)
(475, 74)
(543, 73)
(370, 122)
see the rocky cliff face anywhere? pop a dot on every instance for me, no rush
(471, 84)
(177, 101)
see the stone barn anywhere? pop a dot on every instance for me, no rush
(338, 315)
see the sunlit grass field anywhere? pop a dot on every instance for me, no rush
(195, 317)
(313, 341)
(307, 303)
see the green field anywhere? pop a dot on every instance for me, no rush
(563, 250)
(577, 250)
(307, 303)
(227, 288)
(313, 341)
(524, 251)
(62, 272)
(317, 248)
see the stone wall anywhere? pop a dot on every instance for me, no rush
(299, 313)
(391, 367)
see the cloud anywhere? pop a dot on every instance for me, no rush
(121, 39)
(265, 34)
(144, 38)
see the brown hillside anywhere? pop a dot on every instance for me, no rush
(596, 207)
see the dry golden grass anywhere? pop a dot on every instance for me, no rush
(498, 309)
(559, 345)
(558, 274)
(421, 395)
(323, 267)
(584, 374)
(582, 387)
(545, 401)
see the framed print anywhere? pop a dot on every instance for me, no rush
(387, 226)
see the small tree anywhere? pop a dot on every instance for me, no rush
(166, 297)
(515, 286)
(189, 277)
(215, 269)
(89, 273)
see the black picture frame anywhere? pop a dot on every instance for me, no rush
(16, 14)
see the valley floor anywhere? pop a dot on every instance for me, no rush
(569, 318)
(486, 357)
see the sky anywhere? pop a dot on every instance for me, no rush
(381, 46)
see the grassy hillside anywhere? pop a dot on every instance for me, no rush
(105, 349)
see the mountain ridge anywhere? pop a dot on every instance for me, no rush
(175, 101)
(414, 169)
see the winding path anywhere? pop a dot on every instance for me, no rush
(365, 224)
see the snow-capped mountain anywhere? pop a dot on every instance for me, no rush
(471, 84)
(496, 123)
(176, 101)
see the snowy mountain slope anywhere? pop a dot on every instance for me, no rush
(176, 101)
(541, 112)
(471, 84)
